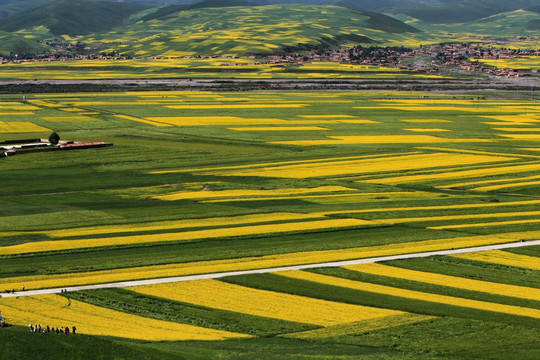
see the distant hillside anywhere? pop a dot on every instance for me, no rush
(510, 24)
(10, 43)
(535, 9)
(533, 25)
(73, 17)
(386, 23)
(375, 5)
(11, 7)
(253, 30)
(171, 9)
(460, 11)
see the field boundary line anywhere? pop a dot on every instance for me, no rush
(125, 284)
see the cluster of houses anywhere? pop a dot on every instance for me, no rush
(466, 56)
(449, 55)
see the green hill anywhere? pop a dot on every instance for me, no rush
(533, 25)
(10, 43)
(252, 30)
(73, 17)
(11, 7)
(172, 9)
(535, 9)
(461, 11)
(510, 24)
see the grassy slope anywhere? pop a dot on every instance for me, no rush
(13, 43)
(172, 9)
(64, 17)
(260, 29)
(11, 7)
(464, 10)
(512, 24)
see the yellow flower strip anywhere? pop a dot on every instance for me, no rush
(133, 118)
(426, 121)
(380, 139)
(68, 118)
(36, 247)
(182, 224)
(20, 127)
(248, 192)
(250, 263)
(503, 170)
(451, 281)
(458, 217)
(438, 207)
(57, 311)
(18, 113)
(485, 224)
(279, 128)
(237, 106)
(360, 327)
(503, 258)
(505, 186)
(410, 294)
(363, 166)
(213, 120)
(427, 130)
(510, 181)
(276, 164)
(230, 297)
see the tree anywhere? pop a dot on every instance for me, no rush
(54, 138)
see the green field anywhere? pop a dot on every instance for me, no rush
(224, 68)
(206, 182)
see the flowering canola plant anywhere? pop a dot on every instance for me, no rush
(503, 258)
(411, 294)
(451, 281)
(220, 295)
(35, 247)
(89, 319)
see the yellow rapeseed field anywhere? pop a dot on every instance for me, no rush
(451, 281)
(213, 120)
(242, 193)
(182, 224)
(20, 127)
(220, 295)
(279, 128)
(503, 258)
(237, 106)
(412, 294)
(378, 139)
(457, 174)
(360, 327)
(146, 121)
(259, 262)
(35, 247)
(57, 311)
(458, 217)
(506, 186)
(68, 118)
(366, 166)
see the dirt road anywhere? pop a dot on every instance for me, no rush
(270, 270)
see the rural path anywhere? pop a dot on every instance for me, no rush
(125, 284)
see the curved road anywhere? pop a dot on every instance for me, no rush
(269, 270)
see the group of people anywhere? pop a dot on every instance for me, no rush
(48, 329)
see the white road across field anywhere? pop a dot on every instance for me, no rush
(271, 270)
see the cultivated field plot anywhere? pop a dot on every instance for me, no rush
(186, 68)
(522, 63)
(206, 182)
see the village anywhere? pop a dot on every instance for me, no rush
(433, 58)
